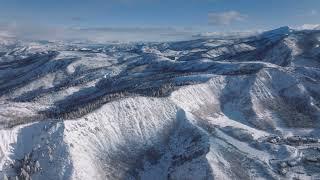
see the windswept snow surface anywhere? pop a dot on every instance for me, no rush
(211, 108)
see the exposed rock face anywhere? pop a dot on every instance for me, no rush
(244, 108)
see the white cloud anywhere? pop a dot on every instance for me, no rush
(98, 34)
(225, 18)
(313, 12)
(101, 34)
(309, 13)
(309, 27)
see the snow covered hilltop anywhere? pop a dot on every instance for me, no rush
(210, 108)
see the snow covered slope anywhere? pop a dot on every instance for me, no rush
(211, 108)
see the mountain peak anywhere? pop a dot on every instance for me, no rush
(284, 30)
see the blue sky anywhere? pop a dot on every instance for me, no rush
(196, 15)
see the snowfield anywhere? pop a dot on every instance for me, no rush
(210, 108)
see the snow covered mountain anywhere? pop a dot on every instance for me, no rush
(210, 108)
